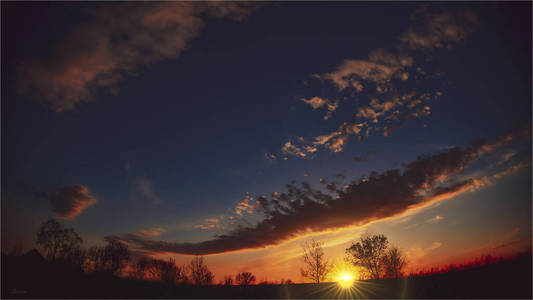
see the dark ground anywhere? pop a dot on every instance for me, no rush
(29, 276)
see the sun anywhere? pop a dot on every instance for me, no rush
(346, 279)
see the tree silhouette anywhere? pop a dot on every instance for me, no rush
(199, 273)
(112, 258)
(245, 278)
(166, 271)
(117, 255)
(393, 262)
(316, 266)
(76, 258)
(228, 280)
(368, 253)
(97, 260)
(140, 268)
(58, 243)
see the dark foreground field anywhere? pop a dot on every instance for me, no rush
(24, 277)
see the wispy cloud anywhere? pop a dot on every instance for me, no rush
(435, 219)
(417, 254)
(144, 186)
(508, 155)
(69, 201)
(380, 196)
(121, 40)
(152, 232)
(210, 224)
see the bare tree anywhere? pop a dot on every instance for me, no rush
(117, 256)
(316, 266)
(140, 268)
(166, 271)
(368, 253)
(245, 278)
(56, 241)
(112, 258)
(393, 263)
(199, 273)
(76, 258)
(97, 260)
(228, 280)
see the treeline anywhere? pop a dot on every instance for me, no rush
(484, 260)
(63, 246)
(373, 256)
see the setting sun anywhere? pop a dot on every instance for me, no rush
(346, 279)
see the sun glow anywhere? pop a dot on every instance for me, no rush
(346, 279)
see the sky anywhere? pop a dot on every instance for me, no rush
(238, 131)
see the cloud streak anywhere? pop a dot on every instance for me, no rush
(303, 209)
(121, 39)
(69, 201)
(152, 232)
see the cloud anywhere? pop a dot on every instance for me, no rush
(121, 40)
(152, 232)
(508, 155)
(269, 157)
(509, 239)
(416, 254)
(218, 223)
(438, 29)
(144, 186)
(292, 149)
(387, 80)
(245, 206)
(435, 219)
(303, 209)
(380, 68)
(69, 201)
(315, 102)
(512, 169)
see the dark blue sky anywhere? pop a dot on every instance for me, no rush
(186, 138)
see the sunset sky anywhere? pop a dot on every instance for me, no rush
(239, 130)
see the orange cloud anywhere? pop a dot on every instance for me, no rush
(69, 201)
(245, 206)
